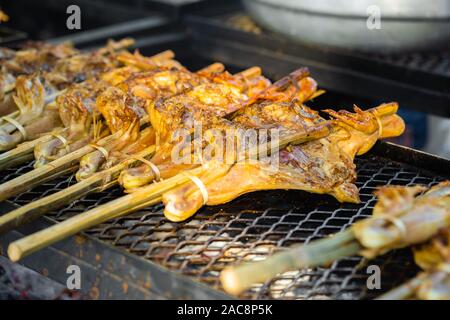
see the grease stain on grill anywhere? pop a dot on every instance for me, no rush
(231, 233)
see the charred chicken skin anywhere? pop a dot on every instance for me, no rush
(403, 216)
(322, 165)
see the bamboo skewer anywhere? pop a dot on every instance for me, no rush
(97, 182)
(41, 239)
(141, 198)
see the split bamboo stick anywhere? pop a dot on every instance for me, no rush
(141, 198)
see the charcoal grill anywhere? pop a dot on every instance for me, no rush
(143, 255)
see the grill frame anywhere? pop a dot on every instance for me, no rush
(111, 271)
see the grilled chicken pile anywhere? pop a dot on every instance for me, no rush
(323, 165)
(121, 100)
(98, 107)
(433, 283)
(129, 119)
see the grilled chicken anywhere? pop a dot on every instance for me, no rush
(209, 106)
(89, 110)
(37, 57)
(321, 166)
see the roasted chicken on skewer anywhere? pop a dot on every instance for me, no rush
(143, 197)
(88, 113)
(160, 84)
(401, 217)
(71, 160)
(34, 92)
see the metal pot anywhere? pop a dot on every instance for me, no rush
(404, 25)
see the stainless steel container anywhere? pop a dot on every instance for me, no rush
(404, 25)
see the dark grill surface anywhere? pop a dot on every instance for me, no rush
(250, 228)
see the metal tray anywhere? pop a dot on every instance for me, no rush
(418, 81)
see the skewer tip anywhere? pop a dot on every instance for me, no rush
(230, 281)
(14, 252)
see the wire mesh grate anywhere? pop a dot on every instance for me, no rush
(252, 227)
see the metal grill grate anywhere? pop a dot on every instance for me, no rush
(250, 228)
